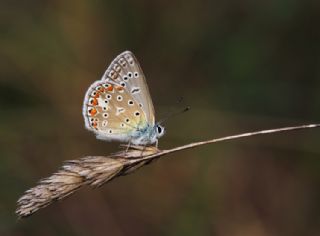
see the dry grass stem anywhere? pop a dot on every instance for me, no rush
(97, 170)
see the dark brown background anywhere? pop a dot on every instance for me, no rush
(240, 65)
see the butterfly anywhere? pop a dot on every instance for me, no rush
(119, 107)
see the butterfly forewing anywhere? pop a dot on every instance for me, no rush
(126, 71)
(120, 103)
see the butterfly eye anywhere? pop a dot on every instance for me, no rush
(159, 130)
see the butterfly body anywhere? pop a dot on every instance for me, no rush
(147, 135)
(119, 107)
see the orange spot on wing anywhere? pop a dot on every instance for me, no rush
(94, 124)
(101, 89)
(97, 95)
(94, 102)
(119, 88)
(93, 111)
(110, 88)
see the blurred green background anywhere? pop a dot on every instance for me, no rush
(240, 65)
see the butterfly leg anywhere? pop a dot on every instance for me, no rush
(128, 146)
(142, 150)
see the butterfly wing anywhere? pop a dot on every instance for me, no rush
(126, 71)
(119, 104)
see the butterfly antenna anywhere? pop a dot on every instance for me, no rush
(174, 113)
